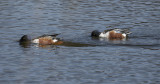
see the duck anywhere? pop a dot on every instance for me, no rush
(43, 40)
(112, 34)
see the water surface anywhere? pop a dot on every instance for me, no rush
(134, 61)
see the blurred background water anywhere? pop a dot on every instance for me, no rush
(135, 61)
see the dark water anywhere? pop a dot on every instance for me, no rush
(135, 61)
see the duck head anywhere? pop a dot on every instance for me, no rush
(24, 38)
(95, 33)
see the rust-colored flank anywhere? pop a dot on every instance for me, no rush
(45, 41)
(113, 35)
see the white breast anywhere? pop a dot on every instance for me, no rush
(104, 35)
(35, 41)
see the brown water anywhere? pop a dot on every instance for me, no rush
(83, 60)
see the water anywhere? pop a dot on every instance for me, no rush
(83, 60)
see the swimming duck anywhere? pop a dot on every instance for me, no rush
(112, 34)
(44, 39)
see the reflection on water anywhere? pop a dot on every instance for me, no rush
(67, 44)
(81, 59)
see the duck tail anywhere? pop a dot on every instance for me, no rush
(54, 35)
(126, 31)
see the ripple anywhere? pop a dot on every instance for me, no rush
(82, 59)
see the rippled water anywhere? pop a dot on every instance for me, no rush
(135, 61)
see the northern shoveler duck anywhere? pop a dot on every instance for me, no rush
(43, 40)
(112, 34)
